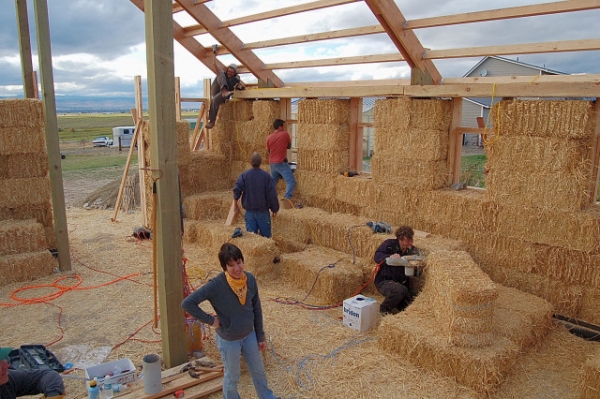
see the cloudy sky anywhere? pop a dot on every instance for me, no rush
(98, 46)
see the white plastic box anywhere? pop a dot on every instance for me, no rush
(360, 312)
(128, 372)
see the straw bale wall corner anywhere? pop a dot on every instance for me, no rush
(26, 221)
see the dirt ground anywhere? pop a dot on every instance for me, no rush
(103, 310)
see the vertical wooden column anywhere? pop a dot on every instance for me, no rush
(595, 153)
(455, 142)
(141, 146)
(163, 136)
(356, 134)
(25, 47)
(177, 98)
(52, 143)
(36, 90)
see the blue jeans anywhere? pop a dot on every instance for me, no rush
(230, 353)
(258, 222)
(283, 170)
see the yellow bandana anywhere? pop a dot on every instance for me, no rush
(239, 286)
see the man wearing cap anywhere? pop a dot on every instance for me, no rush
(15, 383)
(221, 89)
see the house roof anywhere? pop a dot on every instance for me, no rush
(516, 62)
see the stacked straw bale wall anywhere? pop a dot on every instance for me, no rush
(26, 221)
(530, 229)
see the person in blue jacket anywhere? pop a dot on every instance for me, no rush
(257, 190)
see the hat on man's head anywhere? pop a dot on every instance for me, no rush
(233, 66)
(4, 353)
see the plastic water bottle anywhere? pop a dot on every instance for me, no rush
(93, 389)
(107, 388)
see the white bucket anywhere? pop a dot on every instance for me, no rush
(152, 366)
(409, 271)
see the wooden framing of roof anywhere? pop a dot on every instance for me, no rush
(399, 30)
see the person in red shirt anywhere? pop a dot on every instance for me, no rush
(278, 143)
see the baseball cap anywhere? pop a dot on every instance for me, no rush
(4, 353)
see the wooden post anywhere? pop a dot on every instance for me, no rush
(206, 132)
(163, 136)
(25, 47)
(231, 215)
(52, 144)
(454, 142)
(595, 157)
(356, 134)
(177, 98)
(141, 147)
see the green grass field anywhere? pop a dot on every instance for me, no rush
(471, 170)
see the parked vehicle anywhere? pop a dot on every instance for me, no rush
(102, 141)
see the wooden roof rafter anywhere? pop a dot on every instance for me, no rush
(225, 36)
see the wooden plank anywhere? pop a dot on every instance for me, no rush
(138, 125)
(356, 135)
(51, 131)
(392, 20)
(182, 382)
(232, 214)
(195, 139)
(177, 98)
(504, 13)
(455, 142)
(595, 152)
(225, 36)
(163, 136)
(25, 49)
(139, 115)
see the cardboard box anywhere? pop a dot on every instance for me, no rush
(360, 312)
(125, 366)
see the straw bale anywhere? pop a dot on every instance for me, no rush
(590, 377)
(412, 174)
(523, 318)
(567, 119)
(222, 138)
(311, 270)
(414, 334)
(266, 110)
(31, 191)
(314, 136)
(17, 236)
(329, 162)
(250, 137)
(430, 114)
(316, 189)
(568, 265)
(391, 197)
(352, 194)
(291, 230)
(424, 145)
(18, 140)
(26, 266)
(19, 166)
(41, 212)
(236, 110)
(566, 298)
(328, 112)
(259, 252)
(463, 297)
(211, 205)
(184, 152)
(466, 209)
(392, 114)
(531, 154)
(207, 171)
(559, 190)
(590, 305)
(576, 230)
(27, 114)
(492, 249)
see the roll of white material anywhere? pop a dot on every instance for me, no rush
(152, 366)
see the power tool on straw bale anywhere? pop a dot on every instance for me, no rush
(380, 227)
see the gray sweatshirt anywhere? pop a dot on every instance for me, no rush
(237, 321)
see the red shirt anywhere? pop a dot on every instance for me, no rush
(277, 144)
